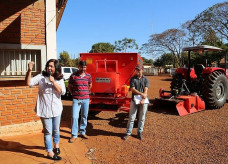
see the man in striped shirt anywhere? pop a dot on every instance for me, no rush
(79, 86)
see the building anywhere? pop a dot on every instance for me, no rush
(27, 32)
(149, 70)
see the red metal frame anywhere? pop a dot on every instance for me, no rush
(185, 104)
(111, 73)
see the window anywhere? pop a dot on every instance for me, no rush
(74, 70)
(14, 63)
(66, 70)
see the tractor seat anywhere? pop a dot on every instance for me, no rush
(199, 69)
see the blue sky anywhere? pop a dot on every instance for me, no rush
(86, 22)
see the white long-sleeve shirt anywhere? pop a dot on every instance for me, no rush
(49, 102)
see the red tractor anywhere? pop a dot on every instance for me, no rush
(194, 88)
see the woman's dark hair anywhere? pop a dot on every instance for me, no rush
(58, 74)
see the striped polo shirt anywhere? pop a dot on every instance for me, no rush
(80, 85)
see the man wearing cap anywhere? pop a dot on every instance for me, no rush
(139, 85)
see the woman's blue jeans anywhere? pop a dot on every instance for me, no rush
(51, 128)
(78, 104)
(142, 109)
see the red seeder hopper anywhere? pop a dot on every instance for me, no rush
(111, 73)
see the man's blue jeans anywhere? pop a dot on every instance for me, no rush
(78, 104)
(51, 128)
(142, 109)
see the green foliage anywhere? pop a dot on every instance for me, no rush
(102, 47)
(210, 38)
(158, 62)
(165, 59)
(75, 62)
(147, 61)
(212, 57)
(64, 59)
(124, 44)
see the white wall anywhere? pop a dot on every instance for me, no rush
(51, 29)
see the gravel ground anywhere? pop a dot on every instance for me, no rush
(167, 138)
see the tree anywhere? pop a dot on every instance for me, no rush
(171, 41)
(102, 47)
(164, 60)
(191, 36)
(210, 38)
(124, 44)
(214, 18)
(64, 59)
(147, 61)
(75, 62)
(158, 62)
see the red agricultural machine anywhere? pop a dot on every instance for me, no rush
(111, 73)
(194, 88)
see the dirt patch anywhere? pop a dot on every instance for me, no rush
(168, 138)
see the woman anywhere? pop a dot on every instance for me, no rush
(49, 105)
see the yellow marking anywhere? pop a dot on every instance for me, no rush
(89, 61)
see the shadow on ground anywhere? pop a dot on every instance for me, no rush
(164, 108)
(119, 120)
(168, 79)
(19, 148)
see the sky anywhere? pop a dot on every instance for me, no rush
(86, 22)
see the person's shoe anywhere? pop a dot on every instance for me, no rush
(55, 157)
(140, 136)
(125, 137)
(72, 140)
(84, 136)
(56, 151)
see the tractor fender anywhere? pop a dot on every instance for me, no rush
(209, 70)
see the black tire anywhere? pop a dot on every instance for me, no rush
(176, 82)
(214, 90)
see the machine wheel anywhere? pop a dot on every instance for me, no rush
(214, 90)
(176, 82)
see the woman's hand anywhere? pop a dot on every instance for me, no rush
(52, 79)
(30, 66)
(29, 72)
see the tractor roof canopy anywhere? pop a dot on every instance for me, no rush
(202, 48)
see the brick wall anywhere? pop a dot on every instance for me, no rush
(17, 103)
(22, 22)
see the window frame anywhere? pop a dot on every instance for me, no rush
(15, 47)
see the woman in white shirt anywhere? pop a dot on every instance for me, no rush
(49, 105)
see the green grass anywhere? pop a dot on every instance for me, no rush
(66, 83)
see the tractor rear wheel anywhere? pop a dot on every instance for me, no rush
(176, 82)
(214, 90)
